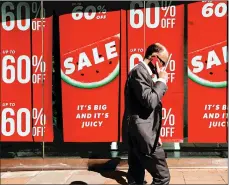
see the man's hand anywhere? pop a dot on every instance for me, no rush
(161, 73)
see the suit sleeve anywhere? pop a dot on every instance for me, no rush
(148, 96)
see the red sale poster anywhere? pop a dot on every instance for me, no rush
(152, 22)
(207, 71)
(26, 102)
(90, 67)
(165, 24)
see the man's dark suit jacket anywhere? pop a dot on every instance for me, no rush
(143, 109)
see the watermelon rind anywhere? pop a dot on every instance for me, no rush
(91, 85)
(205, 82)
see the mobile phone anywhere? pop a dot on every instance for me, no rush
(153, 60)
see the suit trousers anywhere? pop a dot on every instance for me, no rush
(155, 164)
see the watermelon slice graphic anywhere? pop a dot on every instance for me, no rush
(92, 66)
(208, 66)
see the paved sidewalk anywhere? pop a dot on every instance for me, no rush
(178, 176)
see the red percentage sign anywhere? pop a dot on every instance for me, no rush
(101, 9)
(168, 116)
(38, 63)
(169, 9)
(39, 116)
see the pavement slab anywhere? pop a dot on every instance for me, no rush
(205, 182)
(71, 177)
(20, 174)
(224, 174)
(16, 180)
(51, 177)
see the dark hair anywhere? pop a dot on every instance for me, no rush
(153, 48)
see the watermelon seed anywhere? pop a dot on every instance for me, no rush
(100, 56)
(82, 74)
(113, 46)
(110, 62)
(211, 73)
(77, 63)
(97, 71)
(206, 61)
(226, 70)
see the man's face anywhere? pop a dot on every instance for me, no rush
(163, 58)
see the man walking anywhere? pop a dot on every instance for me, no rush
(143, 110)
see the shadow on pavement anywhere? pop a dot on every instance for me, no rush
(118, 176)
(108, 170)
(78, 182)
(109, 165)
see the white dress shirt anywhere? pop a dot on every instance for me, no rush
(155, 79)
